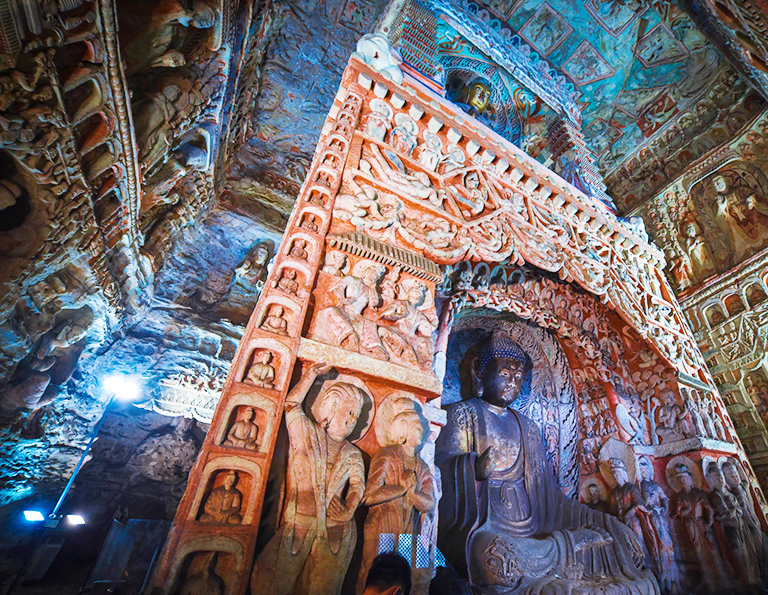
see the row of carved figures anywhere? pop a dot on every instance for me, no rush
(699, 541)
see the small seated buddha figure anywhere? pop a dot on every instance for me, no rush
(244, 433)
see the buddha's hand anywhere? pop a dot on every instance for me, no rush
(485, 464)
(589, 538)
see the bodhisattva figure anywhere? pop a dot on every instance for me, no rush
(379, 120)
(671, 422)
(410, 337)
(399, 489)
(474, 197)
(735, 541)
(503, 520)
(244, 433)
(311, 550)
(693, 517)
(739, 220)
(223, 503)
(261, 373)
(659, 541)
(699, 253)
(626, 500)
(706, 416)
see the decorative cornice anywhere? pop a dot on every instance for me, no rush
(362, 245)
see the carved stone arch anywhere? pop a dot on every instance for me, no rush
(548, 397)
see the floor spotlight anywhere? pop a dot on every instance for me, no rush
(33, 516)
(75, 519)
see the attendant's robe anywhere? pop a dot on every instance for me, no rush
(310, 553)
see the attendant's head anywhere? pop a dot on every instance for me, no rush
(619, 471)
(646, 468)
(715, 476)
(408, 429)
(390, 574)
(731, 474)
(593, 493)
(500, 369)
(339, 409)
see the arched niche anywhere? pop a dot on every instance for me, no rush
(733, 304)
(755, 293)
(547, 397)
(214, 473)
(218, 554)
(714, 314)
(280, 355)
(264, 410)
(279, 306)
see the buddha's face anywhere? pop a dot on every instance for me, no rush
(249, 414)
(594, 493)
(479, 96)
(230, 480)
(502, 381)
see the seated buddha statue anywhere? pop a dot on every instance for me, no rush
(504, 523)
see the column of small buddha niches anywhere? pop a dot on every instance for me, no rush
(215, 528)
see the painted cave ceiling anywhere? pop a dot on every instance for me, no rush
(654, 93)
